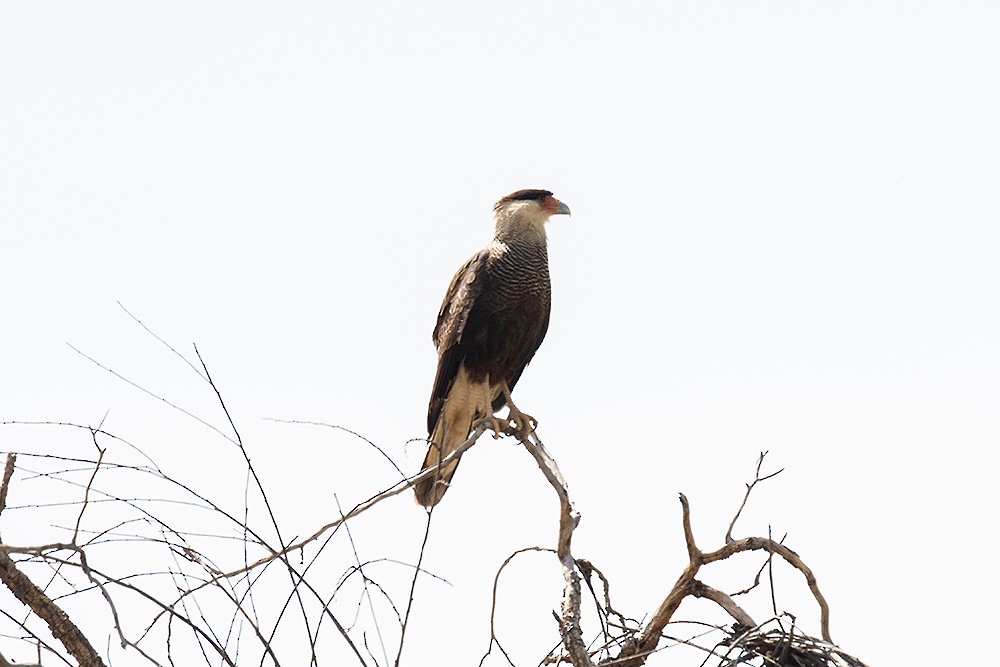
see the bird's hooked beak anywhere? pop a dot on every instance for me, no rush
(560, 208)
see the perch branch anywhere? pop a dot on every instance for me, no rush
(361, 507)
(569, 518)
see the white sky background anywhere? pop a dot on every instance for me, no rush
(784, 237)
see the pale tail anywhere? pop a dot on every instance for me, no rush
(430, 491)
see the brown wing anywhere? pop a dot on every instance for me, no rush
(465, 288)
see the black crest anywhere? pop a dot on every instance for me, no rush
(525, 195)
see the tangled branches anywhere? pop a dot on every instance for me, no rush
(180, 576)
(625, 644)
(222, 609)
(775, 644)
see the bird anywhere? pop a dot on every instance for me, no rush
(493, 318)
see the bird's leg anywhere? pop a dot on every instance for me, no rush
(524, 423)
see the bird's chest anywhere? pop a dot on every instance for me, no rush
(511, 314)
(517, 306)
(519, 286)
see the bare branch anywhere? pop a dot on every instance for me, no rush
(701, 590)
(362, 507)
(493, 604)
(60, 625)
(86, 491)
(149, 393)
(413, 587)
(569, 518)
(649, 636)
(8, 471)
(634, 652)
(365, 580)
(746, 496)
(168, 609)
(194, 569)
(792, 558)
(781, 646)
(157, 337)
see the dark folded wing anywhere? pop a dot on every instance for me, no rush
(465, 288)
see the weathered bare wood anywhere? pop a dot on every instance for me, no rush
(635, 652)
(8, 471)
(792, 558)
(33, 597)
(569, 518)
(60, 625)
(703, 590)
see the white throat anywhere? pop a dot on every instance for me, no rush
(521, 219)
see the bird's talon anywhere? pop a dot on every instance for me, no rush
(498, 426)
(524, 424)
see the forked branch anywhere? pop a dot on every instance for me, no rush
(637, 648)
(636, 652)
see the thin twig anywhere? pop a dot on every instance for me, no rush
(493, 604)
(364, 583)
(39, 642)
(149, 393)
(86, 490)
(165, 343)
(364, 506)
(413, 586)
(770, 576)
(337, 427)
(263, 494)
(746, 496)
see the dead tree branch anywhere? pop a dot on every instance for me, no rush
(33, 597)
(234, 584)
(746, 496)
(194, 571)
(569, 627)
(637, 645)
(635, 652)
(702, 590)
(790, 557)
(493, 603)
(360, 508)
(8, 472)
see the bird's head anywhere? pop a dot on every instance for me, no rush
(526, 211)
